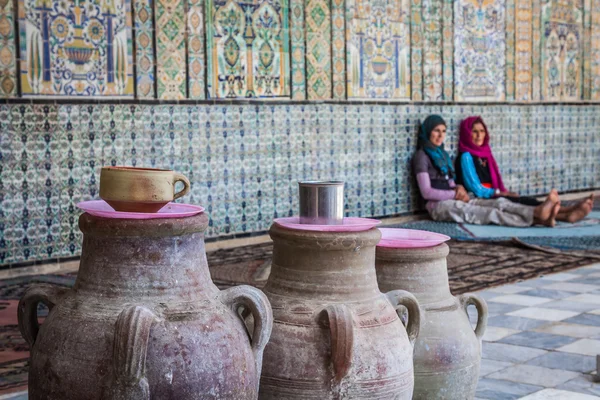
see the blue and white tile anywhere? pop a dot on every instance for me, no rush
(567, 361)
(533, 375)
(587, 347)
(556, 394)
(517, 323)
(520, 300)
(568, 329)
(495, 389)
(544, 314)
(509, 353)
(538, 340)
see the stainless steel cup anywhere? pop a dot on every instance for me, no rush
(321, 202)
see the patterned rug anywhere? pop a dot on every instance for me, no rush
(472, 266)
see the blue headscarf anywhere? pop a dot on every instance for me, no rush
(441, 159)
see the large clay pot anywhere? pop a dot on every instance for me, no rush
(447, 351)
(144, 320)
(335, 335)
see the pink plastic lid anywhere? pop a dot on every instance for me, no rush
(350, 224)
(409, 238)
(100, 208)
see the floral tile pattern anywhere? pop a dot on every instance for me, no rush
(432, 50)
(195, 49)
(318, 49)
(562, 24)
(416, 50)
(378, 49)
(510, 49)
(595, 51)
(78, 48)
(298, 48)
(248, 48)
(448, 49)
(536, 55)
(479, 35)
(8, 50)
(170, 49)
(338, 48)
(523, 50)
(143, 12)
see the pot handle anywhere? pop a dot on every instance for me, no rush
(27, 310)
(482, 311)
(130, 346)
(259, 306)
(338, 318)
(403, 298)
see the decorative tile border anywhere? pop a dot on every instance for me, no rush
(318, 49)
(595, 51)
(536, 51)
(510, 50)
(246, 180)
(448, 49)
(298, 48)
(170, 49)
(416, 50)
(8, 50)
(523, 49)
(195, 50)
(338, 48)
(143, 11)
(432, 50)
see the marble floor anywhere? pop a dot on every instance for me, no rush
(542, 339)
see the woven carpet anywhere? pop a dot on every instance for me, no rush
(472, 266)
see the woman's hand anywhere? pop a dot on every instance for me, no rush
(461, 194)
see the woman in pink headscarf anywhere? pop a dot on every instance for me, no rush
(478, 172)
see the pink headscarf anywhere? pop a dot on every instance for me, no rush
(466, 145)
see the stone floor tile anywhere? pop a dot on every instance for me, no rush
(585, 298)
(494, 333)
(595, 312)
(550, 294)
(569, 306)
(501, 308)
(537, 282)
(538, 340)
(509, 353)
(586, 347)
(595, 274)
(566, 361)
(555, 394)
(561, 277)
(582, 384)
(532, 375)
(517, 323)
(509, 289)
(489, 366)
(494, 389)
(486, 294)
(520, 300)
(545, 314)
(585, 319)
(587, 279)
(573, 330)
(571, 287)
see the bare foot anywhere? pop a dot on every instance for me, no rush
(575, 214)
(553, 196)
(545, 213)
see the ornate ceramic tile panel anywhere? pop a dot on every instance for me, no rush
(8, 50)
(416, 50)
(432, 50)
(195, 49)
(523, 50)
(562, 24)
(510, 49)
(78, 48)
(338, 48)
(536, 86)
(479, 50)
(248, 48)
(298, 48)
(318, 49)
(587, 49)
(377, 49)
(448, 49)
(595, 51)
(143, 12)
(170, 49)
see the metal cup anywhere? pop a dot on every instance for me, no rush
(321, 202)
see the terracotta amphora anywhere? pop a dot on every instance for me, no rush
(144, 320)
(448, 350)
(335, 335)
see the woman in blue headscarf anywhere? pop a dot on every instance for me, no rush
(447, 201)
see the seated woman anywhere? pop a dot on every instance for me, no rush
(477, 170)
(447, 201)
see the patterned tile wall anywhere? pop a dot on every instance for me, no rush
(143, 14)
(432, 50)
(195, 49)
(298, 49)
(378, 49)
(595, 51)
(523, 50)
(170, 49)
(248, 48)
(318, 49)
(8, 50)
(244, 161)
(78, 48)
(479, 46)
(338, 48)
